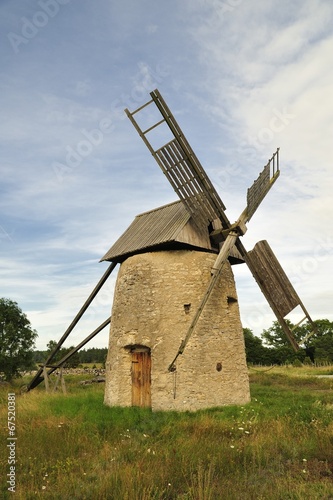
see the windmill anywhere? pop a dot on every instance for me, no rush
(176, 339)
(171, 255)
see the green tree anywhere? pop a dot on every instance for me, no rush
(255, 351)
(319, 345)
(17, 340)
(281, 350)
(93, 355)
(72, 362)
(316, 345)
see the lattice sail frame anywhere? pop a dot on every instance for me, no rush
(182, 168)
(257, 192)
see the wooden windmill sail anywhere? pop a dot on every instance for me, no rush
(191, 183)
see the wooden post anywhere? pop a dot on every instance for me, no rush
(63, 385)
(46, 379)
(55, 387)
(60, 377)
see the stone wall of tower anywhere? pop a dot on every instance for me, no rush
(155, 299)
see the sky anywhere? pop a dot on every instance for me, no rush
(241, 77)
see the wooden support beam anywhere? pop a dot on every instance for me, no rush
(38, 377)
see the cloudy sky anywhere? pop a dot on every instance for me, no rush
(242, 77)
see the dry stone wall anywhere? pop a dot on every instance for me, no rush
(156, 296)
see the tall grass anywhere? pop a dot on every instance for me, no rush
(280, 446)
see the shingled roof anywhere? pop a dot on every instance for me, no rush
(169, 226)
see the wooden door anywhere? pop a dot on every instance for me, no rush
(141, 378)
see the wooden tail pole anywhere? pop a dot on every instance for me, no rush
(63, 360)
(37, 378)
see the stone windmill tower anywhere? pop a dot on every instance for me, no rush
(175, 288)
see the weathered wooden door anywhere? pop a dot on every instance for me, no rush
(141, 377)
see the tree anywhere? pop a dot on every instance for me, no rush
(319, 346)
(93, 355)
(72, 362)
(316, 347)
(255, 351)
(280, 347)
(17, 340)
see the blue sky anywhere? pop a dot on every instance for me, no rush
(241, 77)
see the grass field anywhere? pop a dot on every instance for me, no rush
(280, 446)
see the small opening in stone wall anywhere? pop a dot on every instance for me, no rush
(187, 308)
(231, 300)
(219, 367)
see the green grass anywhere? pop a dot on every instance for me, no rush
(280, 446)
